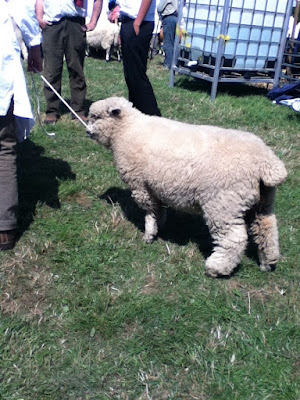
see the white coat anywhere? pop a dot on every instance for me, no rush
(12, 83)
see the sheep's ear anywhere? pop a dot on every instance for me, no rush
(115, 112)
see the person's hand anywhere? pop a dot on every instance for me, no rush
(35, 62)
(136, 27)
(43, 23)
(89, 27)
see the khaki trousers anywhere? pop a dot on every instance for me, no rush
(65, 39)
(8, 172)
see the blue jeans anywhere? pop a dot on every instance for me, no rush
(169, 27)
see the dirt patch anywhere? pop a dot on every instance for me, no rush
(24, 285)
(151, 285)
(81, 198)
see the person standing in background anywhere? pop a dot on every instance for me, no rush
(168, 12)
(114, 11)
(16, 117)
(64, 35)
(137, 17)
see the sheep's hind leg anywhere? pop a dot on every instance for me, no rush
(153, 213)
(264, 230)
(230, 245)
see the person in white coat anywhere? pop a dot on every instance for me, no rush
(16, 117)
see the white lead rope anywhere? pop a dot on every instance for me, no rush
(64, 101)
(38, 107)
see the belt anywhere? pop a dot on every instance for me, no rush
(175, 14)
(124, 18)
(80, 20)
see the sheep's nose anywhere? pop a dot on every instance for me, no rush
(89, 132)
(89, 129)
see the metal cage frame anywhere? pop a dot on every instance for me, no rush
(218, 71)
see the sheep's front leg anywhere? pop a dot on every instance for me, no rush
(148, 202)
(107, 56)
(151, 227)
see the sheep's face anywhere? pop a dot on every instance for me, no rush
(105, 117)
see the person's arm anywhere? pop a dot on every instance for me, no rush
(95, 16)
(39, 12)
(162, 5)
(24, 16)
(141, 15)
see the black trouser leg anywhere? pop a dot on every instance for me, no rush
(135, 56)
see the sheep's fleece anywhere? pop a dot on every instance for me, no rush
(228, 175)
(104, 36)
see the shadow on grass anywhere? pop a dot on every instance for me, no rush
(180, 228)
(38, 181)
(233, 89)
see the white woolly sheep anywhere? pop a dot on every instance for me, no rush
(226, 174)
(105, 36)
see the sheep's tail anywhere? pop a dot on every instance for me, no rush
(273, 171)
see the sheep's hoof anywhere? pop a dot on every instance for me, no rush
(148, 238)
(268, 267)
(212, 273)
(216, 269)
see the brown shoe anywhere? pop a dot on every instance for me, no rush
(50, 120)
(75, 119)
(7, 240)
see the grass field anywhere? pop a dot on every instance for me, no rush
(90, 312)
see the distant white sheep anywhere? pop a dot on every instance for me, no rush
(230, 176)
(105, 36)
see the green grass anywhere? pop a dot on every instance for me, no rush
(89, 312)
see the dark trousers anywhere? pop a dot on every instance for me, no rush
(65, 38)
(135, 56)
(8, 172)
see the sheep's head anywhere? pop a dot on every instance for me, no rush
(105, 117)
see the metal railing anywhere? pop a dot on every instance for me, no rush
(235, 41)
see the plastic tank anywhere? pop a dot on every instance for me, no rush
(253, 31)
